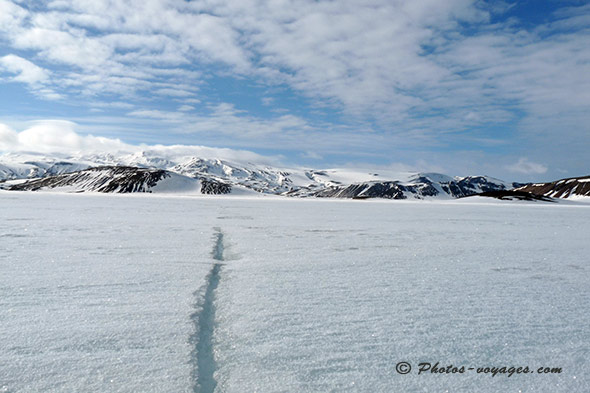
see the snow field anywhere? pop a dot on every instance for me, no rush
(97, 293)
(330, 296)
(108, 293)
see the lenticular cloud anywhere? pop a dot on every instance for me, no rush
(54, 136)
(60, 136)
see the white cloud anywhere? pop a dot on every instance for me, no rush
(526, 167)
(267, 101)
(312, 155)
(112, 104)
(186, 108)
(226, 119)
(238, 155)
(157, 114)
(54, 136)
(173, 92)
(58, 136)
(25, 71)
(8, 138)
(11, 15)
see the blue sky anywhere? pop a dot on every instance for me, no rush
(461, 86)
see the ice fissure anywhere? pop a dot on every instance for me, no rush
(202, 355)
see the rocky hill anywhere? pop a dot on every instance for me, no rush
(564, 188)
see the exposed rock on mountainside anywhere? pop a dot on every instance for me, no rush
(124, 179)
(510, 195)
(389, 190)
(420, 186)
(119, 179)
(209, 186)
(265, 180)
(564, 188)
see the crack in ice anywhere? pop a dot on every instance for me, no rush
(202, 355)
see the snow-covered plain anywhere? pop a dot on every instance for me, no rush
(138, 293)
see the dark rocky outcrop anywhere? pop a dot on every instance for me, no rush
(508, 195)
(209, 186)
(115, 179)
(564, 188)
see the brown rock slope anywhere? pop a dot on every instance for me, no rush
(564, 188)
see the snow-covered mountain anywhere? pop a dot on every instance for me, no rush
(261, 179)
(29, 166)
(419, 186)
(123, 179)
(565, 188)
(149, 171)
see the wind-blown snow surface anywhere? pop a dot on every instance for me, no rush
(135, 293)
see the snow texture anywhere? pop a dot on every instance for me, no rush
(137, 293)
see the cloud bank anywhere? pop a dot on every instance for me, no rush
(51, 136)
(527, 167)
(58, 136)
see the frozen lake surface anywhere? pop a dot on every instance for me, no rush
(108, 293)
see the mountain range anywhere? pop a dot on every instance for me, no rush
(155, 172)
